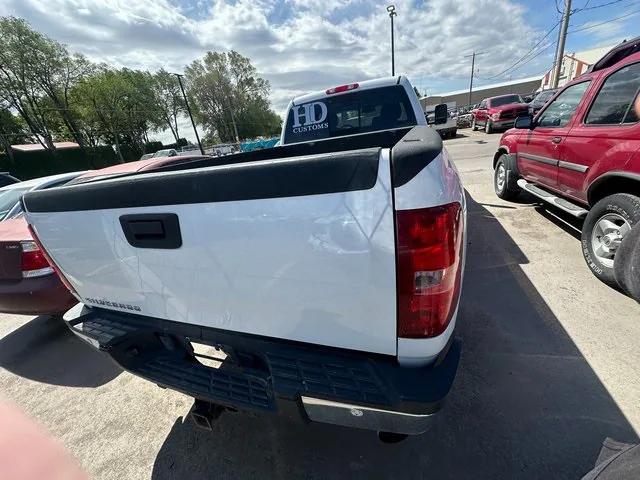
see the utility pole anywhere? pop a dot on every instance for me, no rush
(562, 38)
(186, 102)
(392, 13)
(473, 66)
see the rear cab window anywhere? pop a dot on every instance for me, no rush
(505, 100)
(362, 111)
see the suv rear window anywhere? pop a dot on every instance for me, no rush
(614, 103)
(347, 114)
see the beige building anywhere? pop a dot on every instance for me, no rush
(523, 86)
(574, 65)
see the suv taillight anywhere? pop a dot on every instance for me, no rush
(50, 261)
(429, 268)
(34, 263)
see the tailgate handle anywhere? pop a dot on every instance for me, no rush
(152, 230)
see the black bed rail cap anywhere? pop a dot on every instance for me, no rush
(419, 147)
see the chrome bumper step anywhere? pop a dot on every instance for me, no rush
(561, 203)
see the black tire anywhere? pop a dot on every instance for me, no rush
(627, 259)
(488, 128)
(509, 188)
(474, 127)
(627, 208)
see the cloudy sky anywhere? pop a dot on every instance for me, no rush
(303, 45)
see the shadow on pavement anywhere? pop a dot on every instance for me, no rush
(44, 350)
(563, 220)
(525, 403)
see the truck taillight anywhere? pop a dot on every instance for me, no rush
(34, 263)
(51, 263)
(429, 268)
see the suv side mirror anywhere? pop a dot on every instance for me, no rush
(524, 122)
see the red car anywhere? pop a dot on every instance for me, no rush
(498, 112)
(581, 153)
(28, 283)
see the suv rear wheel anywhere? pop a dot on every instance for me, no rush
(603, 231)
(504, 181)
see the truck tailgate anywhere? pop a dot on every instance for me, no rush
(300, 248)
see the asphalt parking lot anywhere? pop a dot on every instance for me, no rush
(549, 369)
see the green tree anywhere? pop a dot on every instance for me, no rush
(169, 101)
(12, 131)
(230, 99)
(116, 107)
(36, 77)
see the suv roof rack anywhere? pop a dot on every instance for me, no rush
(617, 53)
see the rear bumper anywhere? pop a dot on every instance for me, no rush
(35, 296)
(329, 385)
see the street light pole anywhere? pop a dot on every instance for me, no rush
(186, 102)
(392, 13)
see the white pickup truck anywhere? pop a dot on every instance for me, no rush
(323, 274)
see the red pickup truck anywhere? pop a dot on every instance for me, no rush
(498, 112)
(581, 153)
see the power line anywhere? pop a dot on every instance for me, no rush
(587, 27)
(540, 52)
(585, 8)
(526, 54)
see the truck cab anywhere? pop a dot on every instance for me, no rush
(354, 108)
(498, 112)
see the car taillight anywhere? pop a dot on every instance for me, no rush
(52, 264)
(342, 88)
(34, 263)
(429, 268)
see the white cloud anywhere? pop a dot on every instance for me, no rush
(299, 45)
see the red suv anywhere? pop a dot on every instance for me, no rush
(498, 112)
(581, 153)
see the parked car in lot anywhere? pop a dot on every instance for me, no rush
(7, 179)
(123, 169)
(320, 277)
(540, 100)
(28, 284)
(581, 153)
(167, 152)
(498, 112)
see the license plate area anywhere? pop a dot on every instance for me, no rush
(208, 355)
